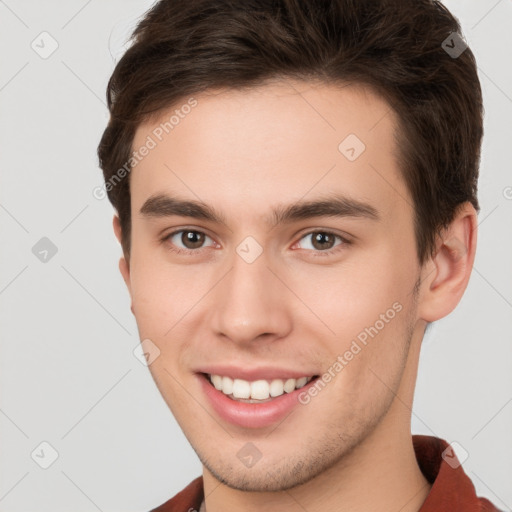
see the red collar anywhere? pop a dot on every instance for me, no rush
(452, 490)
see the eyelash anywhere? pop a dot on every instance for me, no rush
(315, 253)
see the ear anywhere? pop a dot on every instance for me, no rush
(446, 275)
(124, 266)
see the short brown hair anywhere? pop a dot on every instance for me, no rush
(184, 47)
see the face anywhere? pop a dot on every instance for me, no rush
(257, 285)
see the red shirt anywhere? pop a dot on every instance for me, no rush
(452, 490)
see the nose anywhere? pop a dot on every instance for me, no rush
(252, 304)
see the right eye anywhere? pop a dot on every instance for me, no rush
(191, 241)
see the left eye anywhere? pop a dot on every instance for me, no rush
(321, 240)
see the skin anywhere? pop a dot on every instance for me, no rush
(244, 152)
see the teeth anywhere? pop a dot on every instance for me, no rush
(216, 381)
(276, 387)
(289, 385)
(227, 385)
(301, 382)
(257, 390)
(241, 388)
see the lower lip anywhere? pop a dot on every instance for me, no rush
(249, 415)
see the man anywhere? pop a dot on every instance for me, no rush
(295, 186)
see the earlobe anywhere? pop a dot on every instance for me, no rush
(449, 271)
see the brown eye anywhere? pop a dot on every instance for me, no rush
(192, 239)
(185, 240)
(321, 240)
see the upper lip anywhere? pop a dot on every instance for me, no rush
(254, 373)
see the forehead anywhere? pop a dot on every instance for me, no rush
(289, 139)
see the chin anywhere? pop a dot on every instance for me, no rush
(282, 473)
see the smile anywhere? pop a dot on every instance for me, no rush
(257, 390)
(255, 403)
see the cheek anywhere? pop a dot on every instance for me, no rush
(353, 296)
(366, 305)
(367, 360)
(161, 293)
(153, 295)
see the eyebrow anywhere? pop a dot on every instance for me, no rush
(333, 205)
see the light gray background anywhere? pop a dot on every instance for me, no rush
(68, 375)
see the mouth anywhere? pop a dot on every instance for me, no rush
(258, 403)
(256, 391)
